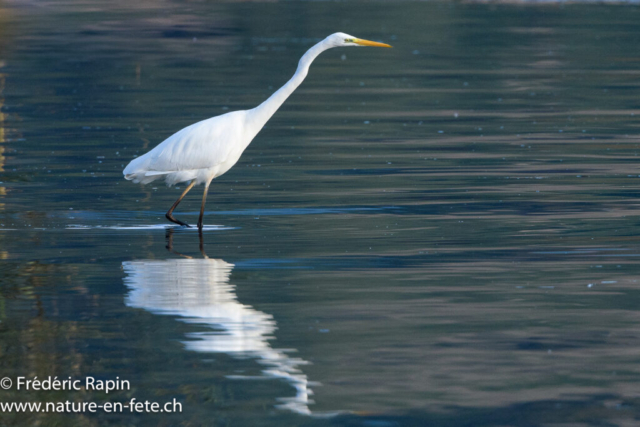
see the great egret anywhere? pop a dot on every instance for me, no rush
(207, 149)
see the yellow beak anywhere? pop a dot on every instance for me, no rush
(370, 43)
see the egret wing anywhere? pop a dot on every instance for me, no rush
(202, 145)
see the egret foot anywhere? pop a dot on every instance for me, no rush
(177, 221)
(169, 213)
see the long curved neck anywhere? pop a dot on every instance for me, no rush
(258, 117)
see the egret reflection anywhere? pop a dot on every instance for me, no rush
(198, 290)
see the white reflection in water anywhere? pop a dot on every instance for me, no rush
(198, 290)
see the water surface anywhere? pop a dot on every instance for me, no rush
(443, 233)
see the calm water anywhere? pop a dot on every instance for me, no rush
(444, 233)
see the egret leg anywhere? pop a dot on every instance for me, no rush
(204, 200)
(169, 213)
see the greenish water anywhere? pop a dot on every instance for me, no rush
(444, 233)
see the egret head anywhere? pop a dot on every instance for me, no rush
(342, 39)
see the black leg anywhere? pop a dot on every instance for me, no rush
(204, 200)
(169, 213)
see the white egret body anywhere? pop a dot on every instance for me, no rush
(207, 149)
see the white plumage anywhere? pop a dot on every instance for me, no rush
(207, 149)
(200, 152)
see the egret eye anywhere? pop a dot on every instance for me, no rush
(348, 40)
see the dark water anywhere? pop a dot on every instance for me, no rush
(444, 233)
